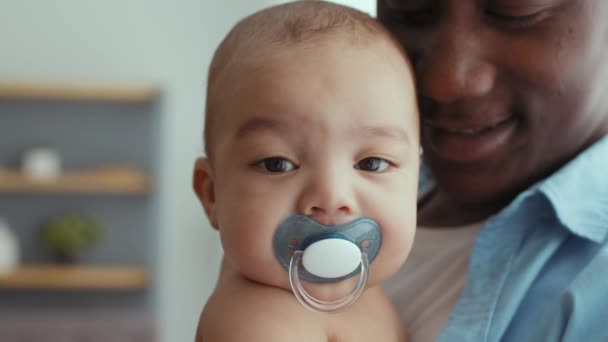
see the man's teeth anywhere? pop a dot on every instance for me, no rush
(467, 130)
(471, 131)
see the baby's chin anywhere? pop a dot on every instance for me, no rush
(333, 291)
(328, 292)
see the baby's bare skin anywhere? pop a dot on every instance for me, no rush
(266, 314)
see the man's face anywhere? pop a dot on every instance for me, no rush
(509, 90)
(325, 131)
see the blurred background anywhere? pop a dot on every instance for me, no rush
(101, 118)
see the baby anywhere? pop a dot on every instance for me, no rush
(312, 144)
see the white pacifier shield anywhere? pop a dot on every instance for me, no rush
(331, 258)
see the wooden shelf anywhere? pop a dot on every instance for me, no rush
(115, 180)
(85, 92)
(52, 277)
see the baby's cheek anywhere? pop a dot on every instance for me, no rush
(394, 252)
(398, 221)
(247, 235)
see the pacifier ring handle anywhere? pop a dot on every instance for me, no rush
(318, 305)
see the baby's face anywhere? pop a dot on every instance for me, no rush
(330, 132)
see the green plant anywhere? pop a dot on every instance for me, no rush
(68, 236)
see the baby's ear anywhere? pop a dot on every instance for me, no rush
(204, 186)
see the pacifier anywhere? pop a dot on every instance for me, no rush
(316, 253)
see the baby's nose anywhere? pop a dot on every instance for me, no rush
(329, 197)
(331, 217)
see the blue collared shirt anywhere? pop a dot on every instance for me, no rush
(539, 269)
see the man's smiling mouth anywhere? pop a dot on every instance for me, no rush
(466, 142)
(471, 129)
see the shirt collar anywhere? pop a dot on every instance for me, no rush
(578, 193)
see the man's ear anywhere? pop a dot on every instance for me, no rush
(204, 186)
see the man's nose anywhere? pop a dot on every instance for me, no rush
(453, 66)
(328, 199)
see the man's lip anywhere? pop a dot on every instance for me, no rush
(466, 127)
(464, 143)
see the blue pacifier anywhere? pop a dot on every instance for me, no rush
(322, 254)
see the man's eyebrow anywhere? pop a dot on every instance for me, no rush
(395, 133)
(261, 123)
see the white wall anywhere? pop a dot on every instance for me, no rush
(368, 6)
(167, 42)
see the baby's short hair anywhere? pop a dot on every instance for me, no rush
(294, 23)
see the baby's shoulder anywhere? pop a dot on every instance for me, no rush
(247, 311)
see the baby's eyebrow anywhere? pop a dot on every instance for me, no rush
(395, 133)
(284, 127)
(261, 123)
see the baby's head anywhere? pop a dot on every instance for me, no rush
(311, 111)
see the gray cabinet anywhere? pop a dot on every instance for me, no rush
(93, 128)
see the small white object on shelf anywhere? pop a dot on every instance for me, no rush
(41, 163)
(9, 249)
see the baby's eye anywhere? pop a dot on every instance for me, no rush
(372, 164)
(275, 165)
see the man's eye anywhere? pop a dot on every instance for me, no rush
(413, 18)
(410, 13)
(517, 20)
(275, 165)
(372, 164)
